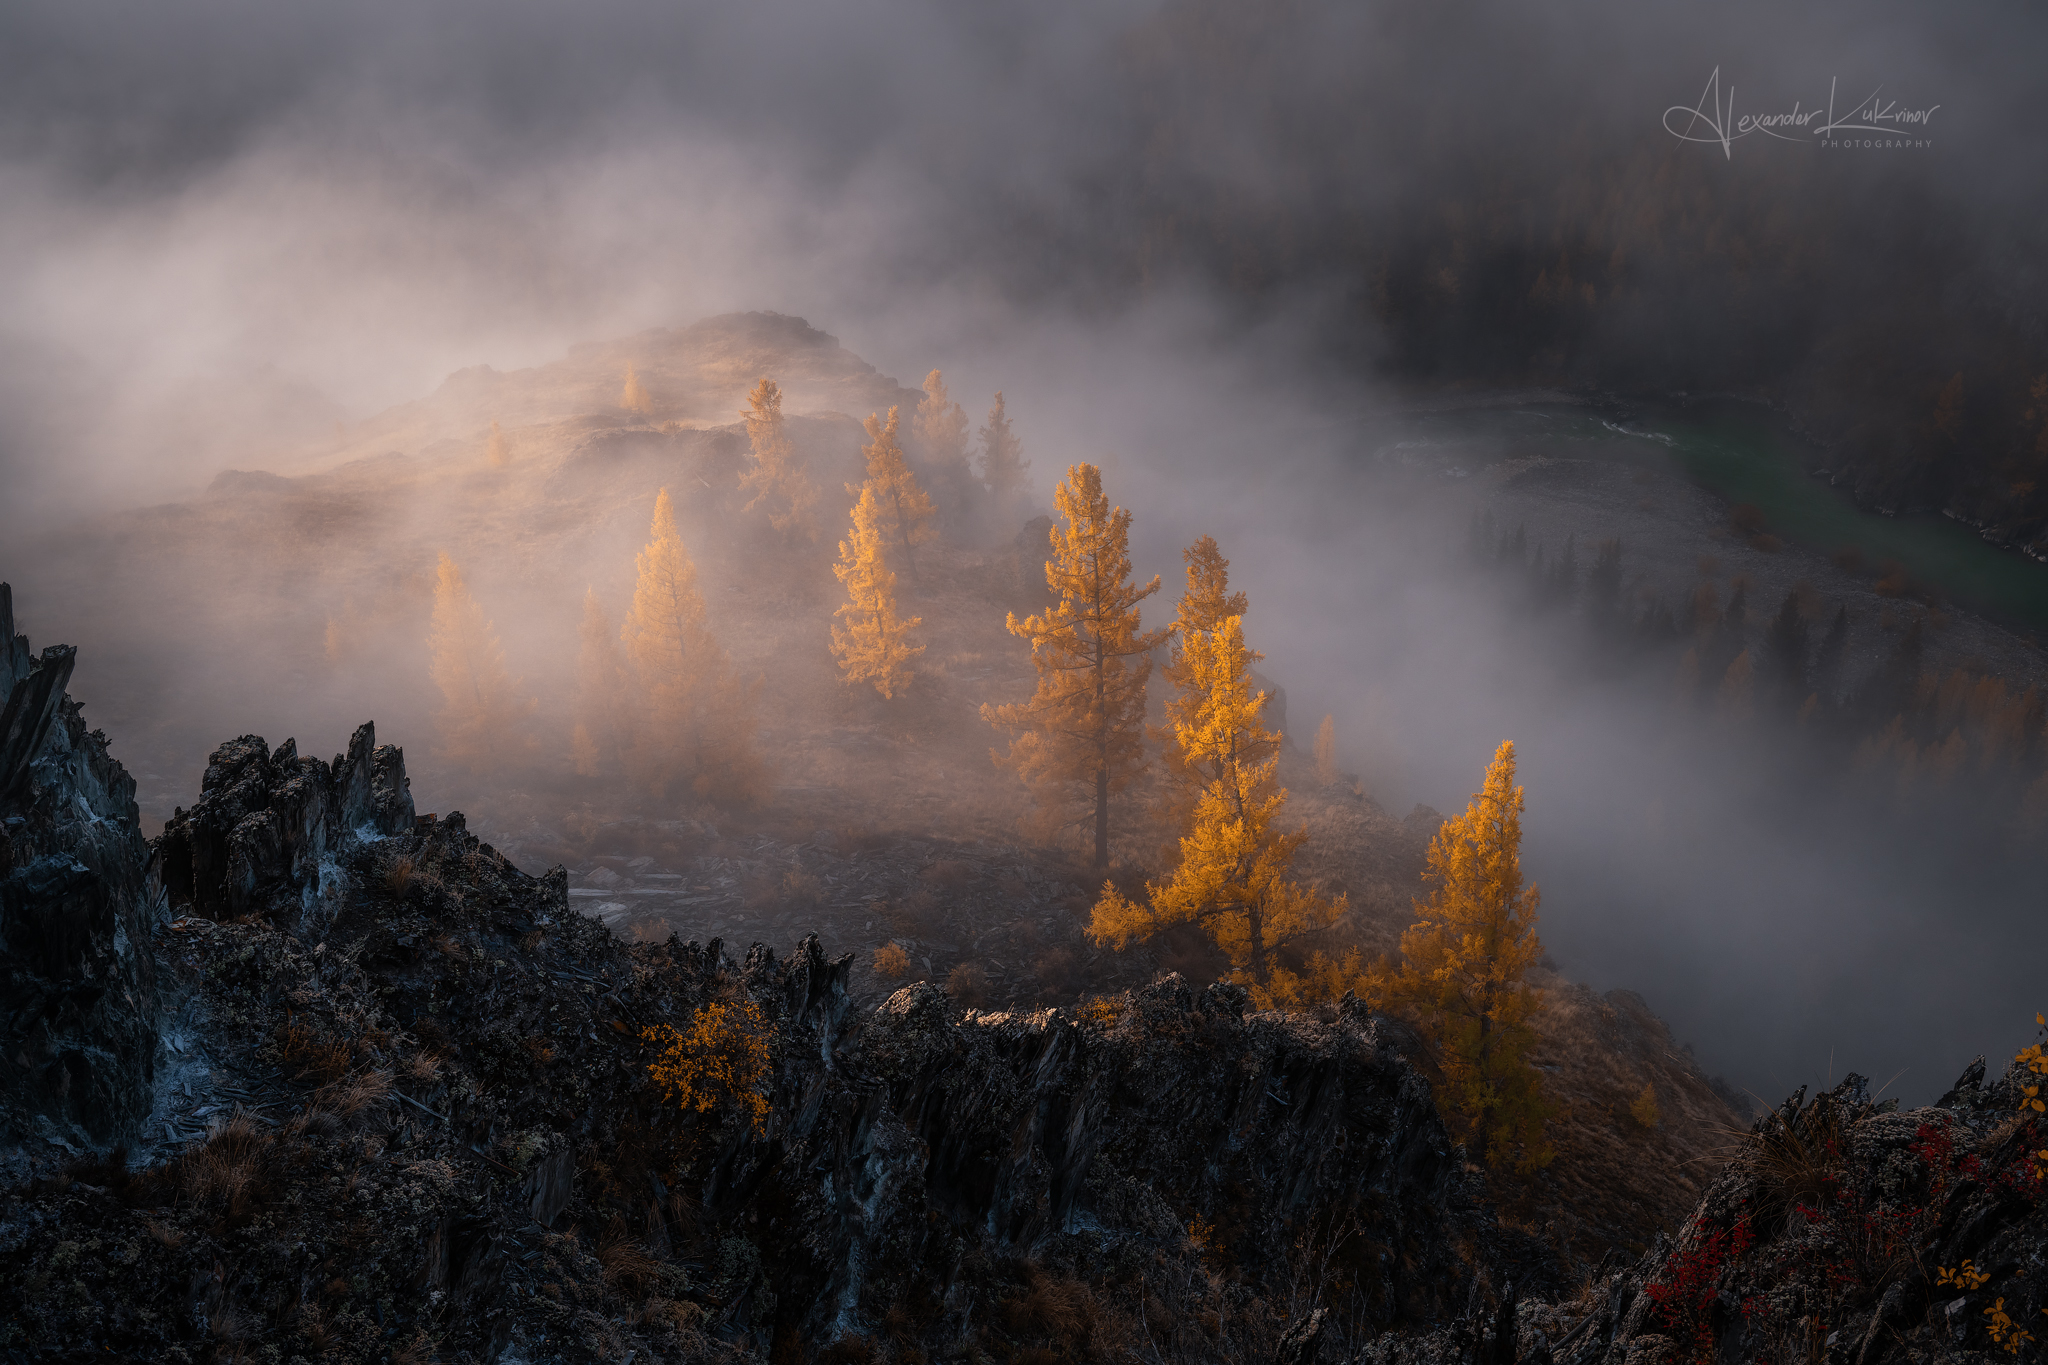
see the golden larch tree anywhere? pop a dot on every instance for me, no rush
(1464, 969)
(905, 510)
(874, 645)
(1233, 878)
(696, 721)
(634, 397)
(1326, 752)
(498, 449)
(940, 426)
(1080, 737)
(1205, 605)
(781, 488)
(1003, 466)
(481, 710)
(603, 701)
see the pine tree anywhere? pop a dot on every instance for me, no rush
(479, 717)
(1003, 466)
(1464, 970)
(1232, 879)
(634, 397)
(498, 450)
(905, 509)
(875, 645)
(603, 703)
(696, 723)
(1205, 605)
(1080, 735)
(780, 487)
(1326, 752)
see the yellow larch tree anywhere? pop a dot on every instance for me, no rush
(874, 646)
(1079, 740)
(603, 704)
(696, 720)
(1003, 466)
(634, 397)
(1326, 752)
(1464, 969)
(904, 510)
(781, 488)
(1233, 878)
(940, 426)
(498, 449)
(1205, 605)
(481, 710)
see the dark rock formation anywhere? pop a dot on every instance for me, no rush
(78, 997)
(453, 1140)
(265, 835)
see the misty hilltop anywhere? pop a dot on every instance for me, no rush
(695, 376)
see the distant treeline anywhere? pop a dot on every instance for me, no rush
(1785, 667)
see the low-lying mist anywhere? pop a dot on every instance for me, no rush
(241, 269)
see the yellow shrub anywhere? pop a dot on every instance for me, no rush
(723, 1059)
(1644, 1111)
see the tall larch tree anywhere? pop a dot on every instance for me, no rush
(1465, 967)
(781, 488)
(904, 510)
(1079, 740)
(1205, 604)
(1003, 467)
(498, 449)
(940, 428)
(1233, 876)
(696, 722)
(634, 396)
(1326, 752)
(874, 645)
(481, 709)
(604, 709)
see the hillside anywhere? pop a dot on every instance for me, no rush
(886, 822)
(373, 1093)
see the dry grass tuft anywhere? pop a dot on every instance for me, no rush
(358, 1097)
(1797, 1156)
(628, 1266)
(398, 875)
(306, 1056)
(1059, 1312)
(228, 1171)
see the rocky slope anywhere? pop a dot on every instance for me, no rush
(388, 1097)
(78, 989)
(430, 1127)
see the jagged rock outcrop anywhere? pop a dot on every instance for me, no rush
(78, 995)
(453, 1141)
(1843, 1231)
(268, 828)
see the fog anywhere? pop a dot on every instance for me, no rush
(227, 231)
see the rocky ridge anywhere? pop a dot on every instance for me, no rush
(433, 1129)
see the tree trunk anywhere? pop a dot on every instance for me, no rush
(1102, 817)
